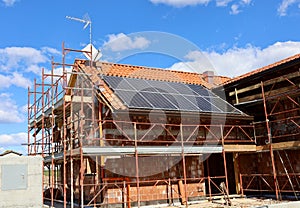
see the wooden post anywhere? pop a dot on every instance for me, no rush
(236, 172)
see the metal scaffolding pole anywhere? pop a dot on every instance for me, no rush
(65, 82)
(71, 152)
(270, 141)
(137, 167)
(81, 137)
(185, 194)
(52, 140)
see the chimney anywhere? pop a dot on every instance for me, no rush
(208, 76)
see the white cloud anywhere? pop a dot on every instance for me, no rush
(16, 79)
(122, 42)
(5, 81)
(237, 61)
(13, 56)
(24, 109)
(25, 58)
(181, 3)
(12, 139)
(16, 64)
(9, 3)
(21, 58)
(223, 3)
(284, 6)
(9, 111)
(235, 9)
(235, 5)
(20, 81)
(34, 68)
(57, 71)
(246, 1)
(51, 51)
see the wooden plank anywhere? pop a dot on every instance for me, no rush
(239, 91)
(280, 146)
(266, 83)
(236, 172)
(281, 91)
(240, 148)
(78, 99)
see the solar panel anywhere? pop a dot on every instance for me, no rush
(150, 89)
(221, 104)
(118, 83)
(181, 102)
(159, 101)
(112, 81)
(201, 91)
(201, 103)
(138, 84)
(162, 86)
(132, 99)
(152, 94)
(181, 88)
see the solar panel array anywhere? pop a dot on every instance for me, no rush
(162, 95)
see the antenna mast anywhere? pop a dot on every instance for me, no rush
(86, 20)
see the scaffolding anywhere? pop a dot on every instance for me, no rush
(73, 127)
(277, 132)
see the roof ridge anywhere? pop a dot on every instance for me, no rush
(152, 73)
(152, 68)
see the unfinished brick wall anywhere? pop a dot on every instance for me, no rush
(154, 167)
(162, 192)
(159, 179)
(155, 185)
(260, 163)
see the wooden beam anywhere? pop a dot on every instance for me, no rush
(266, 83)
(240, 147)
(275, 92)
(280, 146)
(78, 99)
(239, 91)
(236, 172)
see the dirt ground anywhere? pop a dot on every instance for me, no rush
(235, 203)
(220, 203)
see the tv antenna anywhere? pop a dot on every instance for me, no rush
(86, 20)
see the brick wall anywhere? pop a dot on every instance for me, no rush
(155, 177)
(260, 163)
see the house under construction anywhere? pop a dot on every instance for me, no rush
(119, 135)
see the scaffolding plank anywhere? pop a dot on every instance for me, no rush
(147, 150)
(78, 99)
(240, 148)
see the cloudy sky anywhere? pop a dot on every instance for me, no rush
(230, 37)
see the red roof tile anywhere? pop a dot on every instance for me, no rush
(124, 70)
(141, 72)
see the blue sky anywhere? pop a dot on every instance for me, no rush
(236, 36)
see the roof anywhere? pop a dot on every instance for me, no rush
(262, 69)
(151, 97)
(142, 72)
(7, 152)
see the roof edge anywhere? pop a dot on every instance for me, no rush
(262, 69)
